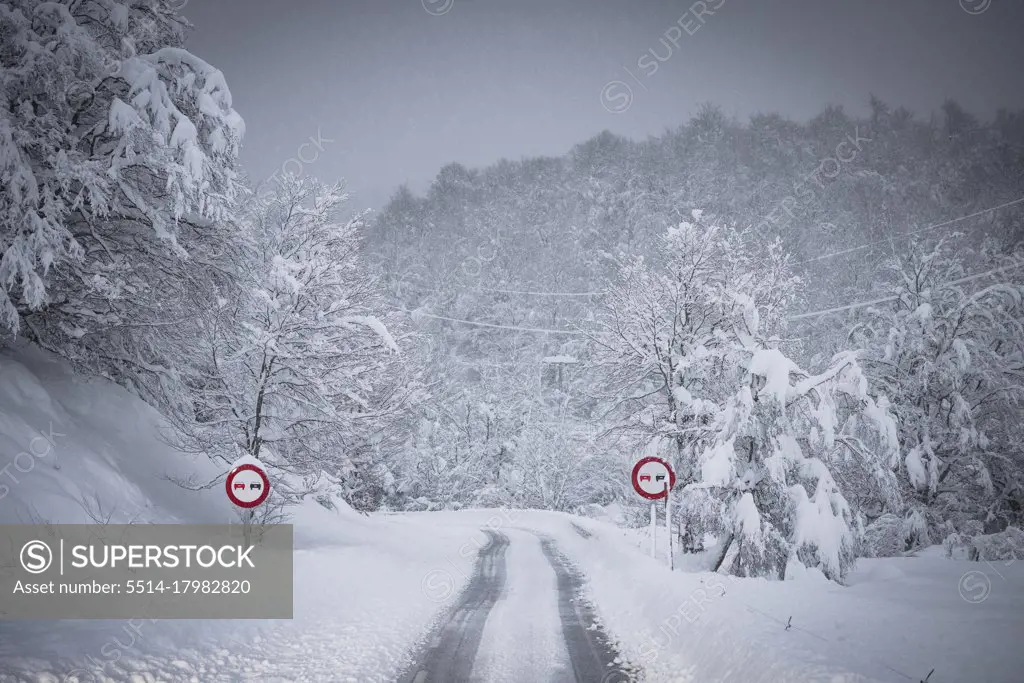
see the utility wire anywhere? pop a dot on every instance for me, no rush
(907, 234)
(863, 304)
(800, 316)
(513, 291)
(842, 252)
(507, 291)
(492, 325)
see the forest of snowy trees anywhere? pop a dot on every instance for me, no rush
(820, 324)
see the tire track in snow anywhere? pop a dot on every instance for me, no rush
(452, 650)
(594, 658)
(523, 639)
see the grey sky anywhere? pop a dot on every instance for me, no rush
(402, 92)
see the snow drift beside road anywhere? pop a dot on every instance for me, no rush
(366, 588)
(899, 618)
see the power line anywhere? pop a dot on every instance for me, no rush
(907, 234)
(978, 276)
(839, 309)
(801, 316)
(492, 325)
(863, 304)
(513, 291)
(509, 291)
(842, 252)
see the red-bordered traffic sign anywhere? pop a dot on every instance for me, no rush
(649, 475)
(247, 485)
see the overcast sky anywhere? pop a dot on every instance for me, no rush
(402, 87)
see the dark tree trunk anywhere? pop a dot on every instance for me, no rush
(725, 552)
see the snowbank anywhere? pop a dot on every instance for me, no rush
(897, 620)
(77, 449)
(74, 448)
(367, 589)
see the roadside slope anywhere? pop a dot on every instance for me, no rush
(899, 618)
(78, 448)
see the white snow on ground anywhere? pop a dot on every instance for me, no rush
(368, 588)
(72, 448)
(359, 610)
(523, 634)
(899, 618)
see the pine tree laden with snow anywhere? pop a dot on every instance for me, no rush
(778, 440)
(689, 347)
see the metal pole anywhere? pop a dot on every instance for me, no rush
(654, 528)
(668, 525)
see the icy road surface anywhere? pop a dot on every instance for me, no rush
(518, 619)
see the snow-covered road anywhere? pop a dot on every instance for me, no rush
(518, 619)
(377, 596)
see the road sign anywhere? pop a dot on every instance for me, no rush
(247, 485)
(650, 476)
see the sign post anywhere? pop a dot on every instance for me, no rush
(653, 478)
(668, 527)
(654, 529)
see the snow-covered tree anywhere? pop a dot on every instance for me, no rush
(664, 332)
(117, 181)
(300, 372)
(556, 466)
(948, 349)
(777, 441)
(689, 348)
